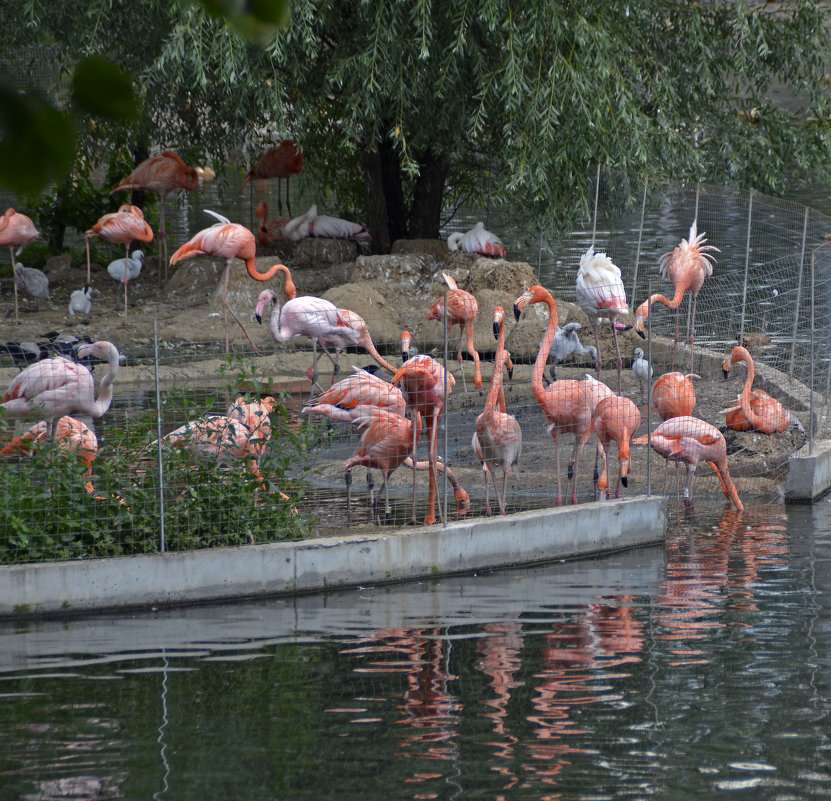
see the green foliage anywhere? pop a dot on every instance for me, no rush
(101, 89)
(47, 515)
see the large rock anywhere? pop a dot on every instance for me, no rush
(323, 252)
(411, 271)
(437, 248)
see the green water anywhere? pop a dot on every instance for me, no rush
(694, 670)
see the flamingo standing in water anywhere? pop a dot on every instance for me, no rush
(477, 240)
(687, 265)
(229, 241)
(690, 440)
(161, 175)
(307, 316)
(615, 418)
(72, 436)
(600, 294)
(56, 387)
(462, 310)
(280, 162)
(567, 405)
(425, 384)
(498, 436)
(122, 227)
(16, 230)
(756, 410)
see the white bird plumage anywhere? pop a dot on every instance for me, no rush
(477, 240)
(80, 302)
(321, 226)
(125, 270)
(642, 369)
(601, 295)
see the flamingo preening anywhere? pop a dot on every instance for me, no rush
(497, 439)
(601, 295)
(756, 410)
(307, 316)
(229, 241)
(462, 310)
(686, 265)
(161, 175)
(690, 440)
(16, 230)
(477, 240)
(359, 389)
(321, 226)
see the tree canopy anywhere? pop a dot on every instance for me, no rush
(406, 108)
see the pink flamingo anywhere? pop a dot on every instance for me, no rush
(319, 226)
(615, 418)
(497, 439)
(308, 316)
(359, 389)
(673, 395)
(690, 440)
(161, 175)
(280, 162)
(567, 405)
(462, 310)
(16, 230)
(121, 227)
(687, 265)
(73, 437)
(600, 294)
(229, 241)
(56, 387)
(756, 410)
(268, 231)
(425, 384)
(477, 240)
(340, 342)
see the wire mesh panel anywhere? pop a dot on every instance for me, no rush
(436, 383)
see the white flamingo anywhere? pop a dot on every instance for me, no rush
(477, 240)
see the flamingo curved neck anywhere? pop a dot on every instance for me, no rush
(492, 400)
(537, 387)
(754, 419)
(251, 268)
(105, 393)
(670, 303)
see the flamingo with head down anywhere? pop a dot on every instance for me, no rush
(690, 441)
(477, 240)
(497, 439)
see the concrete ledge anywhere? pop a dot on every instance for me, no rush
(332, 562)
(809, 475)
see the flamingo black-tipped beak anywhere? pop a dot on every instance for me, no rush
(517, 312)
(259, 318)
(405, 354)
(641, 334)
(511, 373)
(625, 481)
(726, 373)
(570, 472)
(496, 330)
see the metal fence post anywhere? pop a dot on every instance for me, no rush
(746, 265)
(798, 294)
(159, 449)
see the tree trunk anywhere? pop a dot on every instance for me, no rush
(428, 195)
(386, 214)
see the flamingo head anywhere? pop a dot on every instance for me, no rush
(264, 298)
(641, 313)
(405, 345)
(498, 320)
(462, 501)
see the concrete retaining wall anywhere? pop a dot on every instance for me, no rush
(331, 562)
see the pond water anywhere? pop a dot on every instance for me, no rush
(698, 669)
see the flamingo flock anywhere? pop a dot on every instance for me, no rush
(391, 413)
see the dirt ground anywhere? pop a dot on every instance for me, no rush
(187, 316)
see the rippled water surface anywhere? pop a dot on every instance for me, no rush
(699, 669)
